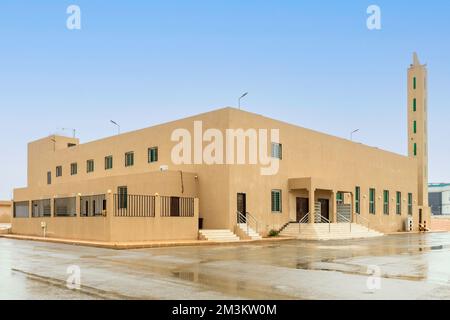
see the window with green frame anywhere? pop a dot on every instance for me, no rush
(410, 204)
(358, 200)
(108, 162)
(415, 105)
(276, 201)
(414, 83)
(398, 203)
(415, 126)
(415, 149)
(153, 154)
(339, 197)
(372, 201)
(129, 159)
(386, 202)
(277, 150)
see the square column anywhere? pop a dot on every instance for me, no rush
(333, 207)
(312, 201)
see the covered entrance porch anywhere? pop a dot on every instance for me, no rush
(315, 200)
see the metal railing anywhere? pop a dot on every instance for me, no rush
(177, 207)
(93, 206)
(126, 205)
(249, 220)
(302, 221)
(359, 217)
(341, 217)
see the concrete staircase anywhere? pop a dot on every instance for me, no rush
(325, 231)
(221, 235)
(248, 232)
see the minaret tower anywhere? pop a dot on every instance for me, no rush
(417, 126)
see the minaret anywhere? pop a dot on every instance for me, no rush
(417, 126)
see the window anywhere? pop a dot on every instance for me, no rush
(90, 166)
(410, 204)
(372, 201)
(415, 149)
(276, 200)
(40, 208)
(73, 169)
(386, 202)
(415, 126)
(339, 197)
(21, 209)
(108, 162)
(277, 150)
(58, 171)
(153, 154)
(65, 207)
(357, 200)
(49, 177)
(129, 159)
(414, 83)
(398, 203)
(123, 197)
(414, 104)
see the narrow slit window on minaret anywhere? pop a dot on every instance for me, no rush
(415, 149)
(414, 104)
(415, 126)
(415, 83)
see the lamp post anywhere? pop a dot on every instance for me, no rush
(240, 98)
(351, 134)
(117, 125)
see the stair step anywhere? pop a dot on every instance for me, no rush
(219, 235)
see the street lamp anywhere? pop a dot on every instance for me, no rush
(117, 125)
(240, 98)
(351, 134)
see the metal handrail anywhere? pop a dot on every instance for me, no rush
(303, 220)
(325, 220)
(241, 218)
(340, 216)
(364, 219)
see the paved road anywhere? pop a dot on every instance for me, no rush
(410, 267)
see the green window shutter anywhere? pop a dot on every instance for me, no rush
(414, 104)
(415, 126)
(415, 149)
(415, 83)
(276, 200)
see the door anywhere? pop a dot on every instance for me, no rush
(302, 205)
(242, 203)
(174, 206)
(325, 208)
(420, 216)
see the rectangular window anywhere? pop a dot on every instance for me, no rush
(339, 197)
(415, 149)
(414, 83)
(122, 197)
(49, 177)
(40, 208)
(398, 203)
(415, 126)
(21, 209)
(65, 207)
(90, 166)
(276, 200)
(58, 171)
(153, 154)
(386, 202)
(414, 104)
(73, 169)
(108, 162)
(410, 204)
(277, 150)
(129, 159)
(372, 201)
(358, 200)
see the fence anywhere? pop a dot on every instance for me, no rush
(93, 206)
(177, 207)
(126, 205)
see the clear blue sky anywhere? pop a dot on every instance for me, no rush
(312, 63)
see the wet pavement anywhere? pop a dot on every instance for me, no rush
(392, 267)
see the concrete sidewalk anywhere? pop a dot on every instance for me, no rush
(141, 244)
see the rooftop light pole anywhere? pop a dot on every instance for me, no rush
(351, 134)
(117, 125)
(240, 98)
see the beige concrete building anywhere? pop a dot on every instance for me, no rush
(5, 211)
(208, 172)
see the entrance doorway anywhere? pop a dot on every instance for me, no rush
(325, 208)
(242, 203)
(174, 206)
(302, 205)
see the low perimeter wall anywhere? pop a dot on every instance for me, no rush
(440, 223)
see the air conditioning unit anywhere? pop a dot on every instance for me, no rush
(409, 224)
